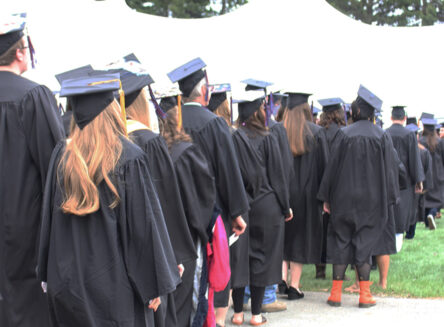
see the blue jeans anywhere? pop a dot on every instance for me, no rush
(269, 296)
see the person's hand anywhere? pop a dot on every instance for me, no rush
(154, 304)
(327, 207)
(419, 188)
(44, 287)
(239, 225)
(289, 216)
(181, 269)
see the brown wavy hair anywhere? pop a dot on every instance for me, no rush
(90, 156)
(139, 110)
(329, 117)
(295, 122)
(170, 131)
(224, 111)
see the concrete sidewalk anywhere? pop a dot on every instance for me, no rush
(314, 311)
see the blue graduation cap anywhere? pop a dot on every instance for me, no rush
(316, 111)
(371, 99)
(331, 104)
(429, 121)
(189, 75)
(253, 84)
(412, 127)
(218, 95)
(70, 74)
(90, 95)
(248, 103)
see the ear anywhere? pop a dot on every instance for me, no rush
(19, 55)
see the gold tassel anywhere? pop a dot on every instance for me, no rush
(179, 113)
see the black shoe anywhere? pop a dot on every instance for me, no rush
(283, 288)
(294, 294)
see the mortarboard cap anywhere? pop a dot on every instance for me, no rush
(70, 74)
(412, 127)
(248, 103)
(11, 31)
(412, 120)
(429, 121)
(316, 111)
(296, 98)
(218, 95)
(168, 98)
(253, 84)
(369, 98)
(331, 104)
(427, 115)
(90, 95)
(188, 75)
(398, 111)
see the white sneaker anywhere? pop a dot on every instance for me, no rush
(431, 220)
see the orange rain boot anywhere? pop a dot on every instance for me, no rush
(366, 299)
(335, 296)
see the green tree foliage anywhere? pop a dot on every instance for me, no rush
(393, 12)
(185, 8)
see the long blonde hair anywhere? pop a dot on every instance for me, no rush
(139, 109)
(295, 122)
(90, 156)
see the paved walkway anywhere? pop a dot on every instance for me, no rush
(314, 311)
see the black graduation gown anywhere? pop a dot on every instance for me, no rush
(165, 183)
(359, 184)
(434, 197)
(280, 132)
(406, 146)
(30, 127)
(267, 212)
(66, 120)
(427, 165)
(304, 233)
(102, 269)
(198, 192)
(250, 168)
(212, 135)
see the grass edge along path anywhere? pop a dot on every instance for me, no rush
(415, 272)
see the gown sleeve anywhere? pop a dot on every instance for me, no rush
(197, 189)
(147, 250)
(415, 166)
(392, 169)
(428, 170)
(41, 120)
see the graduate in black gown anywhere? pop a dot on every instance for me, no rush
(213, 137)
(134, 82)
(67, 116)
(198, 193)
(434, 197)
(426, 161)
(406, 146)
(303, 235)
(357, 189)
(104, 248)
(332, 119)
(30, 127)
(269, 208)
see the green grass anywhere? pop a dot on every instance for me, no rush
(417, 271)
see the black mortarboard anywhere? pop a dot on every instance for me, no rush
(218, 95)
(70, 74)
(412, 120)
(331, 104)
(90, 95)
(366, 97)
(11, 31)
(188, 75)
(168, 98)
(296, 98)
(398, 112)
(249, 103)
(253, 84)
(427, 115)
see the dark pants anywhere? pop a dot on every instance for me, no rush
(410, 234)
(429, 211)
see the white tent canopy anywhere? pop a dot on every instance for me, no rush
(306, 45)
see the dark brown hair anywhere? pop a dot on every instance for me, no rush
(432, 138)
(9, 56)
(169, 129)
(329, 117)
(298, 132)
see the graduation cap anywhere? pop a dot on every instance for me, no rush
(253, 84)
(90, 95)
(316, 111)
(429, 122)
(412, 120)
(12, 30)
(412, 127)
(134, 78)
(398, 112)
(331, 104)
(427, 115)
(218, 95)
(70, 74)
(296, 98)
(366, 97)
(169, 99)
(189, 75)
(248, 103)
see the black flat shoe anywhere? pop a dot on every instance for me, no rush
(294, 294)
(283, 287)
